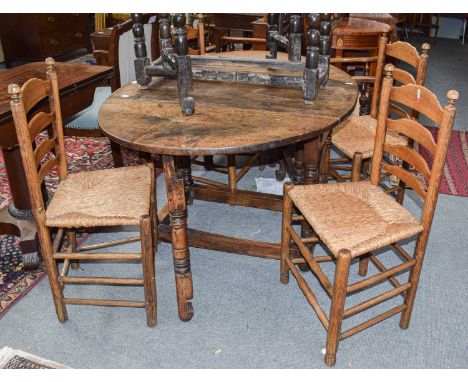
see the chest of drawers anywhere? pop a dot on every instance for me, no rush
(33, 37)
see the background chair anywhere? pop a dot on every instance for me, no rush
(355, 136)
(354, 219)
(123, 196)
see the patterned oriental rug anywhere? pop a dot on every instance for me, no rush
(18, 359)
(455, 176)
(83, 154)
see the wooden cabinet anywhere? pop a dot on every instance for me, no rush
(33, 37)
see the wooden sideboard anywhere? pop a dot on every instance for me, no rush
(28, 37)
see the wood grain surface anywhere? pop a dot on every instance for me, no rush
(229, 117)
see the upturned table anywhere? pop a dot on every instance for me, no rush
(229, 118)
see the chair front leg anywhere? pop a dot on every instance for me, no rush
(50, 265)
(337, 306)
(285, 235)
(147, 252)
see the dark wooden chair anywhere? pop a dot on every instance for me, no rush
(112, 197)
(252, 27)
(355, 136)
(354, 219)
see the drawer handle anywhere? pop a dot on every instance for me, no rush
(78, 34)
(51, 19)
(54, 42)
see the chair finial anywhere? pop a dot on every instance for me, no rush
(389, 68)
(50, 62)
(425, 48)
(14, 91)
(452, 96)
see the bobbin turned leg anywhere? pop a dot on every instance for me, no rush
(180, 251)
(141, 55)
(312, 150)
(298, 178)
(337, 307)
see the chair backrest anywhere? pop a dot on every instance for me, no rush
(197, 34)
(407, 53)
(422, 100)
(23, 100)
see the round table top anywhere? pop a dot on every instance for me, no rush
(361, 27)
(229, 118)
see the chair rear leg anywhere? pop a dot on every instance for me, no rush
(337, 307)
(116, 154)
(325, 160)
(285, 235)
(414, 279)
(71, 237)
(232, 174)
(357, 167)
(147, 251)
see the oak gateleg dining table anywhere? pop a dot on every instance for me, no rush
(229, 118)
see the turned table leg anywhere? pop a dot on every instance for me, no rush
(184, 171)
(311, 158)
(180, 251)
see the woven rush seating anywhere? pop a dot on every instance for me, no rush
(117, 196)
(357, 134)
(354, 215)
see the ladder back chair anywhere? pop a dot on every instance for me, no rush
(354, 219)
(112, 197)
(355, 136)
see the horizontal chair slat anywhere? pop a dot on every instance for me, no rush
(382, 268)
(108, 244)
(96, 302)
(310, 260)
(379, 277)
(372, 322)
(96, 256)
(101, 280)
(308, 294)
(375, 300)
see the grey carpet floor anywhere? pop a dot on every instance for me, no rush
(244, 317)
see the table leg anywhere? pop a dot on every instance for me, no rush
(17, 219)
(312, 151)
(184, 168)
(306, 172)
(180, 251)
